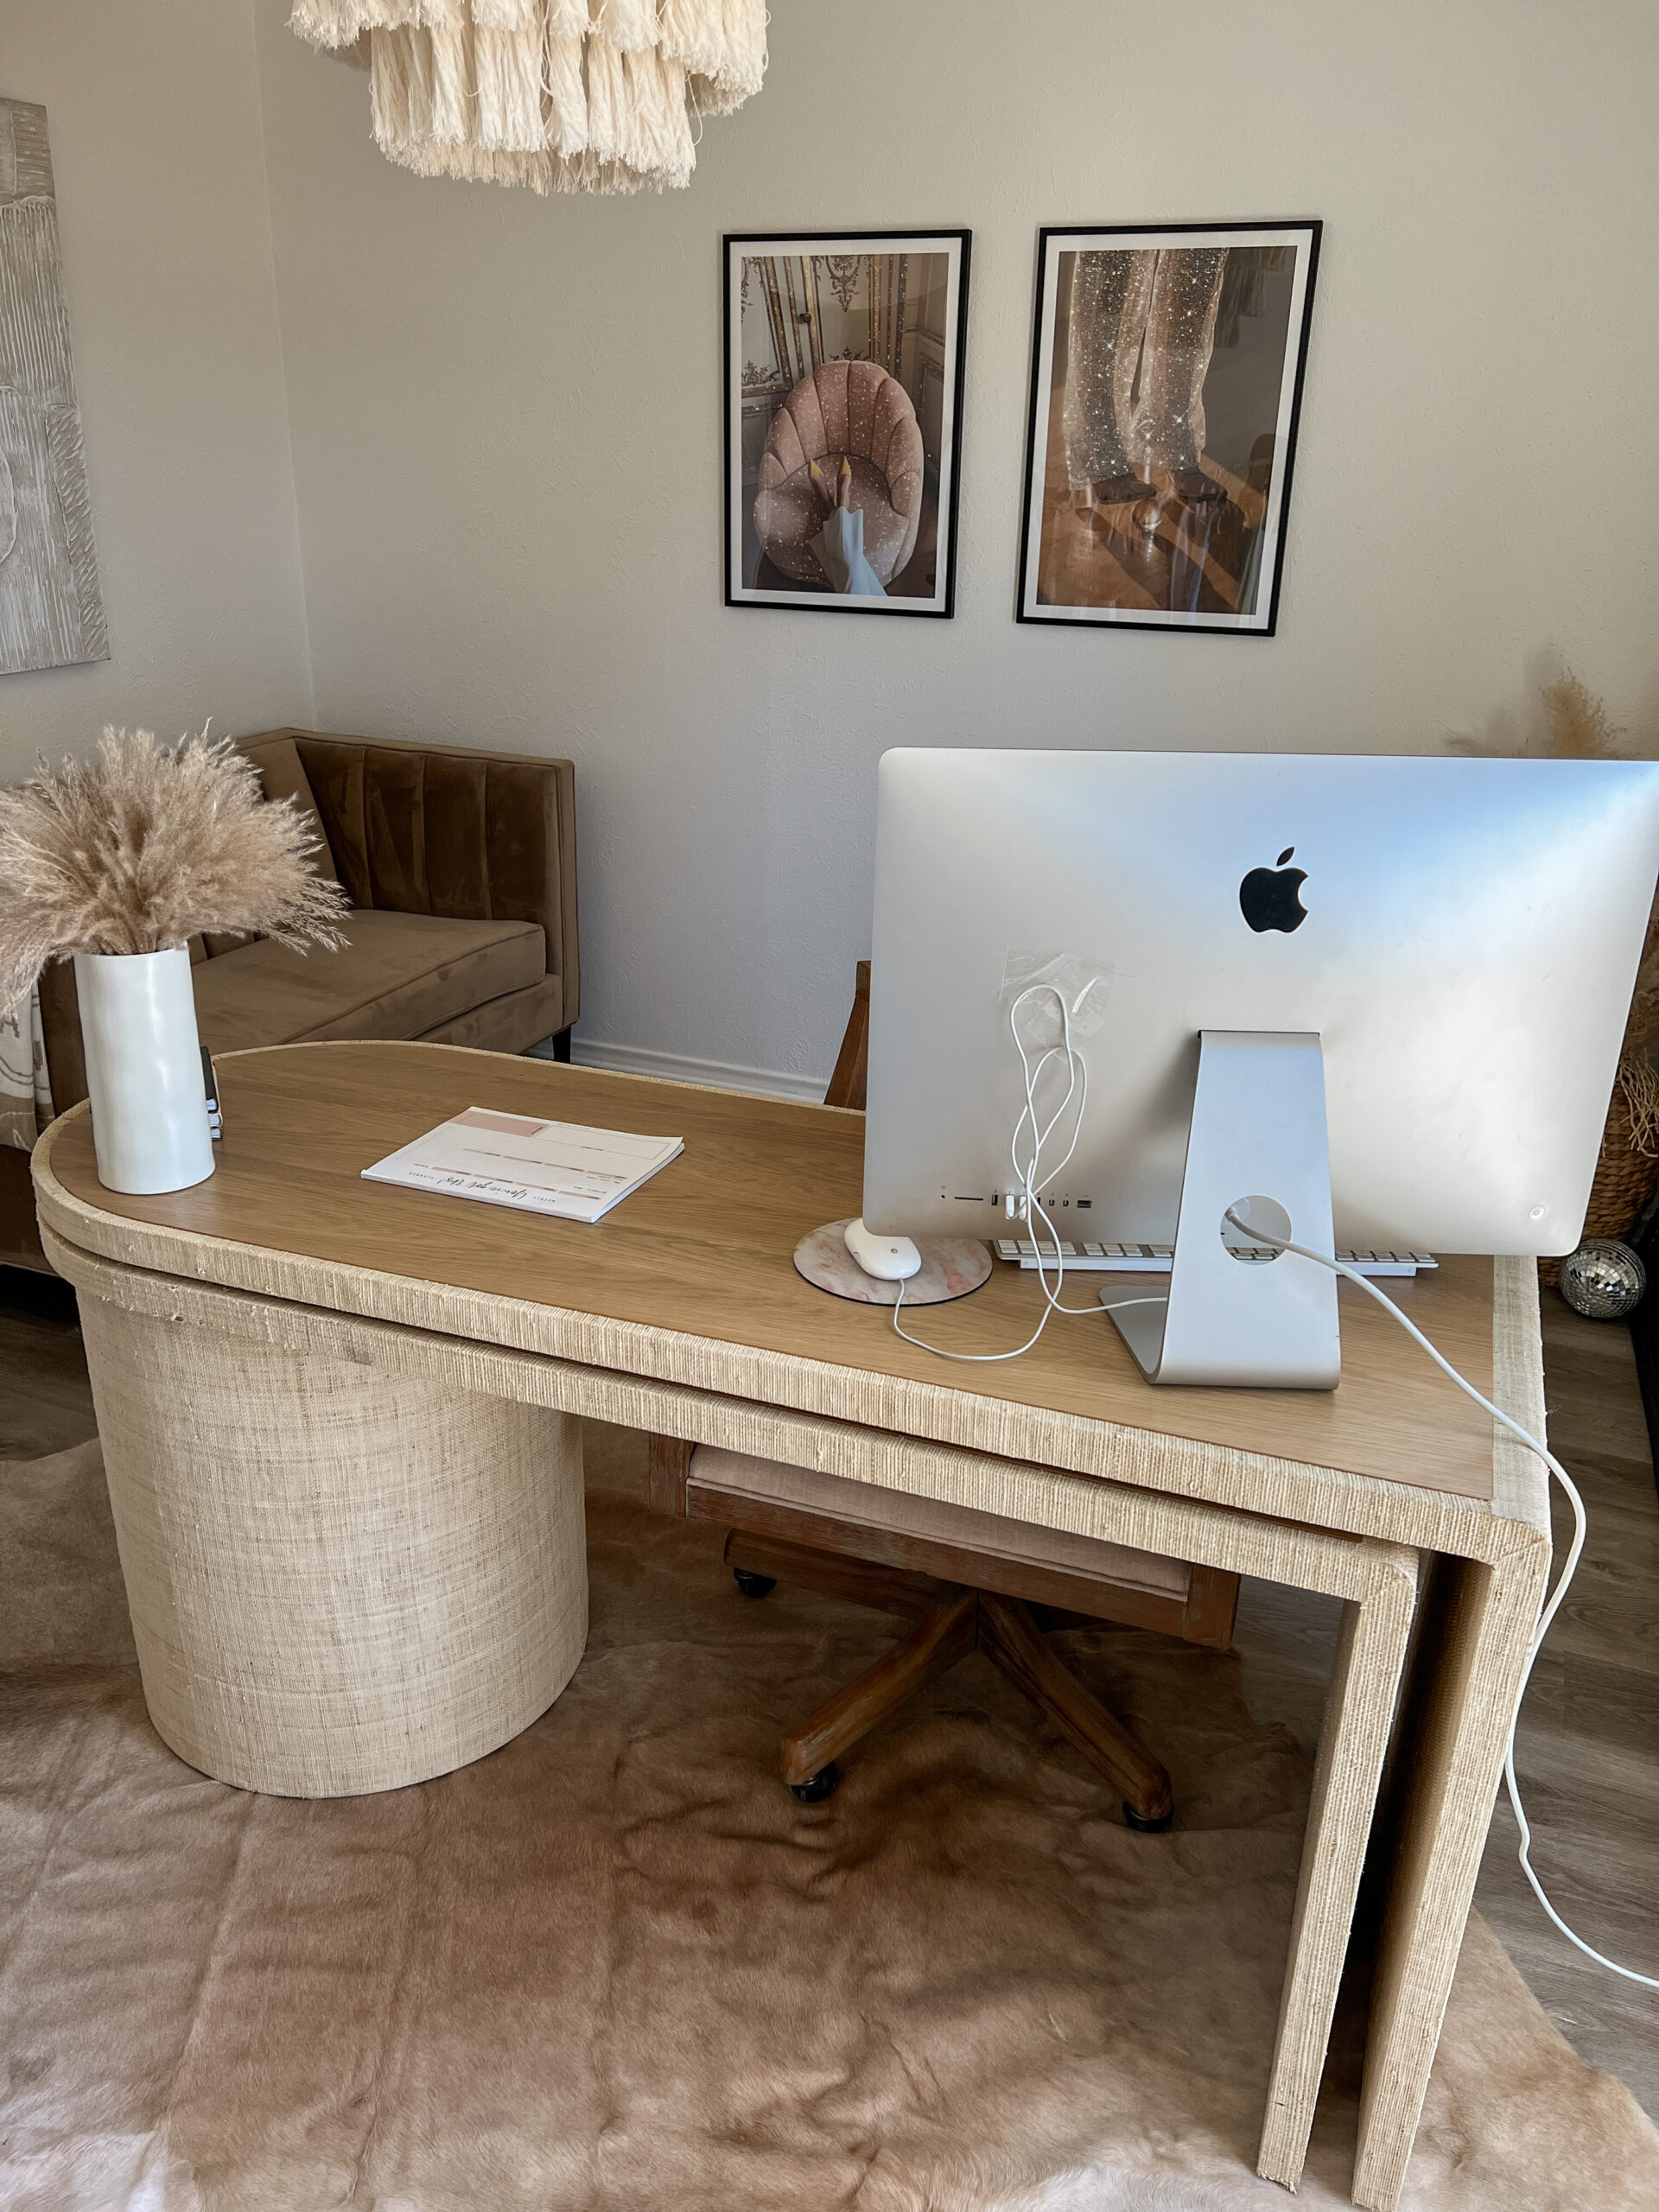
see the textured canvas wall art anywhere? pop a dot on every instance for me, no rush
(1165, 384)
(51, 610)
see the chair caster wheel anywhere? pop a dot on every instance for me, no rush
(818, 1786)
(1132, 1820)
(753, 1586)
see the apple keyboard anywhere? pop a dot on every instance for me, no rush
(1153, 1259)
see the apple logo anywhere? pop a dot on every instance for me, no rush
(1269, 897)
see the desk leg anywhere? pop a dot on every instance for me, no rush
(1358, 1716)
(340, 1579)
(1475, 1635)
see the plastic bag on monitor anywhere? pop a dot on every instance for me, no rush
(1085, 985)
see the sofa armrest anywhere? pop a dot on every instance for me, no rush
(65, 1057)
(441, 829)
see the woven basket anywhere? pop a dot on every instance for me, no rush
(1627, 1172)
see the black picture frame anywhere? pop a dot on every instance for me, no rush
(751, 578)
(1179, 532)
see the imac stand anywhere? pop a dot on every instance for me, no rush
(1257, 1146)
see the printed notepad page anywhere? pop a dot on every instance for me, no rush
(509, 1160)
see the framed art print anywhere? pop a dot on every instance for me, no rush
(1166, 382)
(843, 413)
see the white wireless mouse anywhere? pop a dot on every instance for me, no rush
(889, 1259)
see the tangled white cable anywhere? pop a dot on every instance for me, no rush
(1031, 1181)
(1547, 1612)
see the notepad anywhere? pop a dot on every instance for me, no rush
(510, 1160)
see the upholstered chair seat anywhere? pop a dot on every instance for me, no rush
(846, 409)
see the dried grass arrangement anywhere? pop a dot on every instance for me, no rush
(146, 845)
(1579, 728)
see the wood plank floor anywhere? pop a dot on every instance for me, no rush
(45, 1402)
(1589, 1737)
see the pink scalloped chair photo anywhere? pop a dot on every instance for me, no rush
(845, 410)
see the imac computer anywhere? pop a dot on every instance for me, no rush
(1356, 1002)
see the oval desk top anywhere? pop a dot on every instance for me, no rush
(691, 1278)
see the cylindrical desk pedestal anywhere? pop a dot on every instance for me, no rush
(340, 1579)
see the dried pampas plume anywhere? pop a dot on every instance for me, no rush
(145, 845)
(1580, 727)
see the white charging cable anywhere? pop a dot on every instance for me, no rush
(1030, 1179)
(1547, 1612)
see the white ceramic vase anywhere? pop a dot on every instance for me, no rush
(143, 1069)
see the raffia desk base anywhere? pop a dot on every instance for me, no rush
(340, 1580)
(354, 1560)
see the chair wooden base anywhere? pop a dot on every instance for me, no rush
(947, 1621)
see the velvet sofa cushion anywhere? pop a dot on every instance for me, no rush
(511, 1024)
(400, 975)
(282, 773)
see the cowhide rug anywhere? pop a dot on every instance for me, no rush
(615, 1967)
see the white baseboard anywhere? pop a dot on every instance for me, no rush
(671, 1067)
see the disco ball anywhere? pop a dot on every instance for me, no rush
(1604, 1279)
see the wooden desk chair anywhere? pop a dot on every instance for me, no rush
(961, 1579)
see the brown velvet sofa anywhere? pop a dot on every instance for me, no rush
(461, 871)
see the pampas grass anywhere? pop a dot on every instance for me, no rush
(1580, 727)
(144, 847)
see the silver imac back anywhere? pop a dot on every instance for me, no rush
(1459, 937)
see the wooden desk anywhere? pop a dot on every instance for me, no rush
(254, 1339)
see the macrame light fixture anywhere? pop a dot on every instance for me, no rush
(561, 95)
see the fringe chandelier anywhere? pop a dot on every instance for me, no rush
(561, 95)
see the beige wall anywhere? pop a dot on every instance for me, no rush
(153, 107)
(506, 415)
(506, 424)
